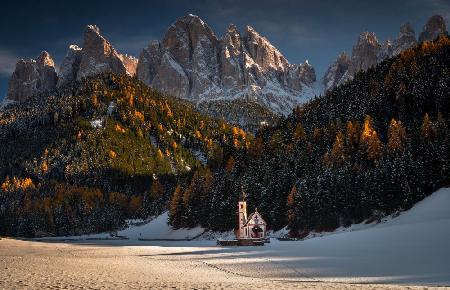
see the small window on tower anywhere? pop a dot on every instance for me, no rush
(241, 205)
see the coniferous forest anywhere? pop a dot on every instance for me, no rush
(96, 152)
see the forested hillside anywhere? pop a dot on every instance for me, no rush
(107, 148)
(91, 154)
(369, 148)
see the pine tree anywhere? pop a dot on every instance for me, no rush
(396, 136)
(427, 130)
(338, 150)
(299, 133)
(292, 214)
(370, 141)
(176, 208)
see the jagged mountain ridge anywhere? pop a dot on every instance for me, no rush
(368, 51)
(191, 62)
(97, 56)
(32, 76)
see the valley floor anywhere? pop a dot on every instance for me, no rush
(39, 265)
(411, 249)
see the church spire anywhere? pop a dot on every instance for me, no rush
(244, 196)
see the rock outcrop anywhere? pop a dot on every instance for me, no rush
(192, 63)
(336, 72)
(368, 51)
(96, 56)
(406, 39)
(70, 65)
(130, 63)
(32, 77)
(365, 53)
(434, 27)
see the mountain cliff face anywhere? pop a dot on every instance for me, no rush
(368, 51)
(97, 56)
(365, 53)
(336, 71)
(70, 65)
(191, 62)
(406, 39)
(434, 27)
(32, 76)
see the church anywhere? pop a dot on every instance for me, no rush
(252, 226)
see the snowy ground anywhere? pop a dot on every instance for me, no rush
(412, 249)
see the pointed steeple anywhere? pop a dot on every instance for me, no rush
(244, 195)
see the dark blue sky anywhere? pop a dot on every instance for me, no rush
(315, 30)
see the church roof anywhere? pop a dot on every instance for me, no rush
(256, 213)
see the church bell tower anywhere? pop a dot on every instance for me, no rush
(242, 209)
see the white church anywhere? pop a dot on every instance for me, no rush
(250, 227)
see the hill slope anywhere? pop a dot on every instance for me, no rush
(369, 148)
(109, 148)
(98, 151)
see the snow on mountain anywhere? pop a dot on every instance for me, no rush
(335, 73)
(191, 62)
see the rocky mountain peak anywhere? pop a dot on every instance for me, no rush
(191, 62)
(232, 29)
(307, 73)
(92, 28)
(96, 56)
(406, 29)
(70, 65)
(188, 36)
(336, 72)
(434, 27)
(32, 76)
(45, 59)
(365, 53)
(263, 52)
(343, 57)
(190, 23)
(191, 19)
(367, 38)
(406, 39)
(130, 63)
(232, 37)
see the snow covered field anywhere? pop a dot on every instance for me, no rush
(412, 249)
